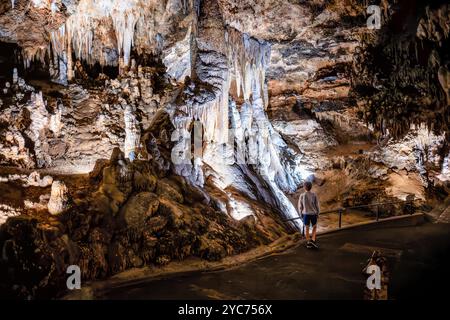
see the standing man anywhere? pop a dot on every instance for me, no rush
(308, 207)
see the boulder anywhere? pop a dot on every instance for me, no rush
(157, 223)
(139, 208)
(144, 181)
(169, 189)
(211, 249)
(168, 207)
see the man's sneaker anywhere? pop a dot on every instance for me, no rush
(314, 245)
(309, 244)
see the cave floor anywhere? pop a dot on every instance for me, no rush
(418, 259)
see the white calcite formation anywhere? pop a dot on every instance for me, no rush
(418, 152)
(32, 180)
(132, 133)
(59, 198)
(133, 22)
(55, 124)
(13, 149)
(209, 108)
(260, 149)
(39, 122)
(70, 138)
(178, 58)
(311, 139)
(35, 180)
(6, 212)
(445, 172)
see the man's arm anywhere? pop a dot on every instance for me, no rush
(316, 198)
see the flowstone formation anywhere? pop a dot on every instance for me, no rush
(240, 145)
(134, 133)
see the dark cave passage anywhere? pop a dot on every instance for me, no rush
(9, 59)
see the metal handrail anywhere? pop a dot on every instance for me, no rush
(343, 209)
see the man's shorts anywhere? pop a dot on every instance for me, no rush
(310, 219)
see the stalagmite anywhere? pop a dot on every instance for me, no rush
(59, 198)
(55, 124)
(132, 133)
(39, 121)
(445, 172)
(15, 76)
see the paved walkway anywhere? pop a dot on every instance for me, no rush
(418, 258)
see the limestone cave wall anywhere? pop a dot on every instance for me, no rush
(135, 133)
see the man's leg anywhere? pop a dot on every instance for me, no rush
(307, 232)
(314, 231)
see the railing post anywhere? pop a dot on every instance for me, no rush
(378, 212)
(340, 218)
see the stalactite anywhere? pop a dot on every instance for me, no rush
(124, 23)
(39, 3)
(126, 18)
(249, 59)
(70, 70)
(34, 54)
(54, 7)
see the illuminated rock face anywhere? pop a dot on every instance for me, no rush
(235, 59)
(39, 122)
(138, 24)
(234, 52)
(7, 212)
(59, 198)
(132, 133)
